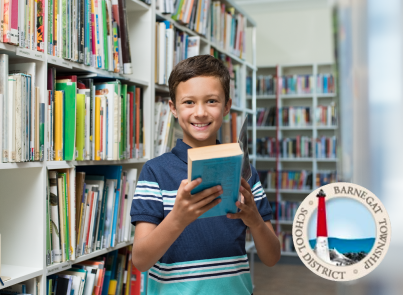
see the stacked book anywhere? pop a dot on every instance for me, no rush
(22, 113)
(167, 129)
(171, 47)
(286, 209)
(23, 23)
(91, 32)
(228, 28)
(235, 76)
(112, 274)
(93, 120)
(326, 115)
(325, 177)
(287, 179)
(325, 147)
(87, 210)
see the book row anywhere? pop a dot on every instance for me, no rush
(324, 178)
(91, 32)
(87, 210)
(22, 113)
(228, 28)
(110, 274)
(230, 128)
(29, 287)
(286, 243)
(22, 23)
(92, 119)
(167, 129)
(299, 147)
(235, 76)
(297, 116)
(171, 47)
(286, 209)
(286, 179)
(295, 84)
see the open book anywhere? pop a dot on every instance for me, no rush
(222, 164)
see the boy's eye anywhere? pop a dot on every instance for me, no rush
(212, 100)
(188, 102)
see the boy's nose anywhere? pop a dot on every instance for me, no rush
(200, 111)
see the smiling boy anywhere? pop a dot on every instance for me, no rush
(187, 255)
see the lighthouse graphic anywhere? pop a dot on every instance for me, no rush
(322, 243)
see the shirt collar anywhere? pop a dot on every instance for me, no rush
(181, 149)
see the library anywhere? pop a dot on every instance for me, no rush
(84, 104)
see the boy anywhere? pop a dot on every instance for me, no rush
(187, 255)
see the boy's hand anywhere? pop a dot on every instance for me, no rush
(249, 213)
(188, 208)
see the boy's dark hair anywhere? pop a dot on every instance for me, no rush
(199, 66)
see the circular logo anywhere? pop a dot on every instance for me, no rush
(341, 231)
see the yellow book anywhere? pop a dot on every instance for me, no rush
(198, 11)
(58, 126)
(97, 127)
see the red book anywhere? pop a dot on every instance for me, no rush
(131, 98)
(135, 281)
(298, 146)
(233, 126)
(73, 78)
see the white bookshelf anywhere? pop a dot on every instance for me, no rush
(312, 164)
(23, 194)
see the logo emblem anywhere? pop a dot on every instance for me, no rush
(341, 231)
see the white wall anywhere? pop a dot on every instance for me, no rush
(291, 32)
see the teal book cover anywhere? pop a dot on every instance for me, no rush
(224, 171)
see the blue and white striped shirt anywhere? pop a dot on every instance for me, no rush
(209, 256)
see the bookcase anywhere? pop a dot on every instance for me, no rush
(298, 113)
(23, 196)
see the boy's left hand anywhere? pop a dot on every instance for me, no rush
(249, 213)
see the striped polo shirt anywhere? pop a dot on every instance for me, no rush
(209, 256)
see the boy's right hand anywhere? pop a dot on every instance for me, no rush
(188, 208)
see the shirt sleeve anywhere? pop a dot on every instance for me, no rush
(261, 201)
(147, 200)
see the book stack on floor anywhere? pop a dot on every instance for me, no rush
(167, 128)
(227, 28)
(91, 32)
(22, 113)
(93, 120)
(23, 23)
(171, 47)
(295, 180)
(88, 210)
(111, 274)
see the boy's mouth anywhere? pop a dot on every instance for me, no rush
(200, 125)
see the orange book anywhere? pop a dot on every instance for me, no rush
(233, 127)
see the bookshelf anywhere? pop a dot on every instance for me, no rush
(271, 98)
(23, 196)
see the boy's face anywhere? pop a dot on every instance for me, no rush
(200, 108)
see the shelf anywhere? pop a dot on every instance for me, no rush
(323, 95)
(262, 128)
(326, 159)
(288, 191)
(326, 127)
(91, 72)
(296, 128)
(161, 88)
(250, 66)
(21, 165)
(58, 267)
(136, 5)
(269, 159)
(290, 96)
(71, 164)
(241, 109)
(269, 96)
(18, 274)
(284, 253)
(226, 52)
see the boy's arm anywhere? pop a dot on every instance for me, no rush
(266, 241)
(151, 241)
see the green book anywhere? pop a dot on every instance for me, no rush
(133, 89)
(178, 12)
(69, 116)
(105, 36)
(80, 127)
(117, 119)
(123, 135)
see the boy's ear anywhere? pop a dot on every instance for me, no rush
(172, 107)
(227, 107)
